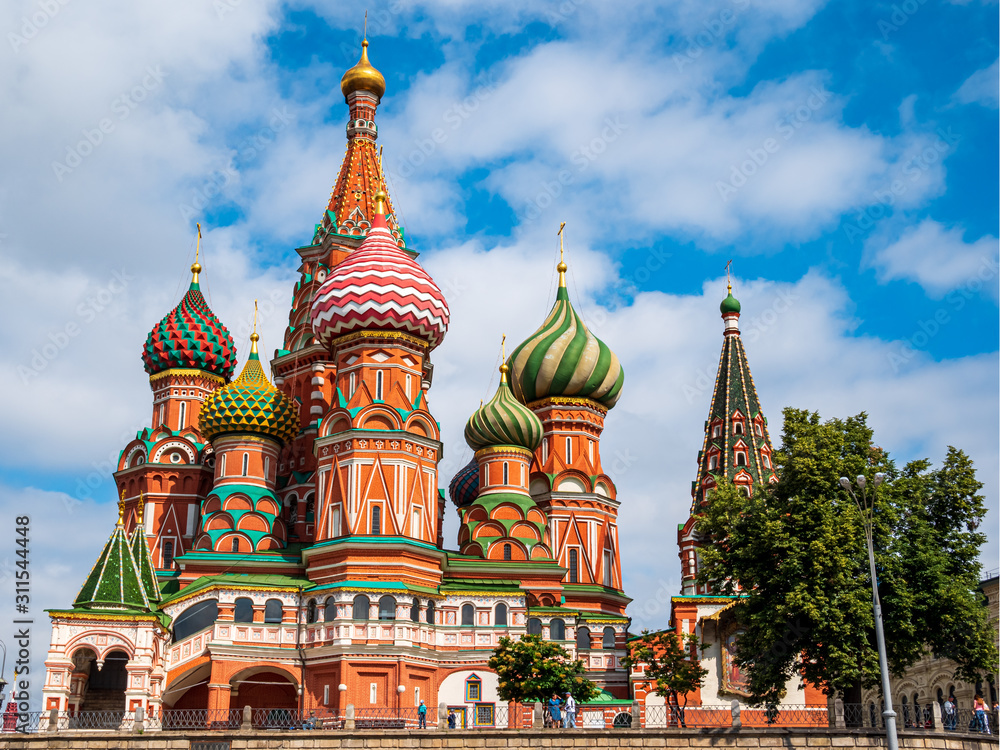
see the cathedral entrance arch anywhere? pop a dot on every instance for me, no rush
(265, 689)
(103, 688)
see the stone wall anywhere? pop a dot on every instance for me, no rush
(721, 738)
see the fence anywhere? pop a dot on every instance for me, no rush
(512, 716)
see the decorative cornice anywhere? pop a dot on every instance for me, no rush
(554, 401)
(182, 371)
(378, 334)
(505, 449)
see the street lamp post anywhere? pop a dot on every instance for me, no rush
(867, 510)
(3, 668)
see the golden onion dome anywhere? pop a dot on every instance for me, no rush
(363, 76)
(250, 404)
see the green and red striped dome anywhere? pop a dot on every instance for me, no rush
(190, 337)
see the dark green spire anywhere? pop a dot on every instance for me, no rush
(144, 561)
(114, 582)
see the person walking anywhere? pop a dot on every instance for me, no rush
(554, 711)
(422, 716)
(949, 714)
(570, 711)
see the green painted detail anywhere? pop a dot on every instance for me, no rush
(114, 581)
(503, 420)
(372, 540)
(376, 585)
(563, 358)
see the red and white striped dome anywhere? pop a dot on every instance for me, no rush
(379, 287)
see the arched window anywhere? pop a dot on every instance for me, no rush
(713, 462)
(501, 614)
(415, 611)
(506, 552)
(582, 638)
(330, 610)
(430, 612)
(716, 430)
(738, 428)
(409, 386)
(168, 553)
(195, 618)
(608, 638)
(573, 565)
(182, 417)
(312, 613)
(160, 420)
(468, 614)
(506, 473)
(243, 611)
(534, 626)
(741, 459)
(236, 544)
(246, 464)
(352, 383)
(387, 608)
(557, 630)
(222, 465)
(569, 450)
(267, 467)
(361, 607)
(378, 385)
(310, 507)
(757, 428)
(766, 459)
(376, 519)
(272, 610)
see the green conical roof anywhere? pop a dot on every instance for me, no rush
(114, 582)
(563, 358)
(503, 420)
(144, 563)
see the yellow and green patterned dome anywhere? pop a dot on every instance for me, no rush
(503, 420)
(250, 404)
(564, 359)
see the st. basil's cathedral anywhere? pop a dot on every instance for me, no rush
(279, 542)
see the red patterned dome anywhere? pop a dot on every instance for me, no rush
(379, 287)
(190, 337)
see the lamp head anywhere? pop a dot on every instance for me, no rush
(878, 479)
(861, 481)
(845, 483)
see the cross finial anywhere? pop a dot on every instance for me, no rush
(121, 509)
(196, 266)
(254, 338)
(561, 268)
(365, 34)
(138, 509)
(503, 359)
(729, 282)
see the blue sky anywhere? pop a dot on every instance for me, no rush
(843, 155)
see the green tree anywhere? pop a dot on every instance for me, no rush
(532, 670)
(666, 659)
(795, 553)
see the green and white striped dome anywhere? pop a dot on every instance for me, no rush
(503, 420)
(563, 358)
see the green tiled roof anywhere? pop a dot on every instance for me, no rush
(144, 564)
(114, 581)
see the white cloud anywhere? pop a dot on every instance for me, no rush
(982, 87)
(937, 258)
